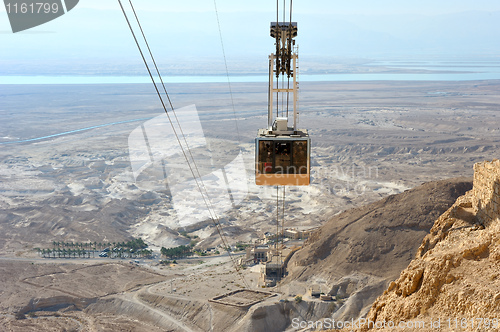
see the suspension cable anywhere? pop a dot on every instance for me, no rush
(200, 185)
(290, 64)
(277, 217)
(283, 232)
(166, 93)
(278, 250)
(280, 235)
(231, 97)
(285, 56)
(283, 219)
(227, 72)
(278, 52)
(152, 57)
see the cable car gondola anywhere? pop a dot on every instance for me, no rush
(282, 152)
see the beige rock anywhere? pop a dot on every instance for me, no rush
(454, 277)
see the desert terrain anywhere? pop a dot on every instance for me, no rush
(452, 283)
(65, 175)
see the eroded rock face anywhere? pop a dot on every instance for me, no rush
(455, 274)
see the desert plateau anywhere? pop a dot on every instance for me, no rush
(388, 159)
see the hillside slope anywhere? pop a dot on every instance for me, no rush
(379, 239)
(356, 254)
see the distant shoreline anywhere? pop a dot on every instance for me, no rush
(176, 79)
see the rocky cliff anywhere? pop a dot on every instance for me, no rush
(454, 280)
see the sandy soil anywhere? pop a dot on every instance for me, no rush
(62, 293)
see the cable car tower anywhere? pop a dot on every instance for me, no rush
(282, 150)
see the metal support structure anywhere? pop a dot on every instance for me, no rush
(283, 64)
(271, 90)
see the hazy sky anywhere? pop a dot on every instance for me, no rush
(95, 32)
(369, 7)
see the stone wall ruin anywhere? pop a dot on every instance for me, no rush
(486, 191)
